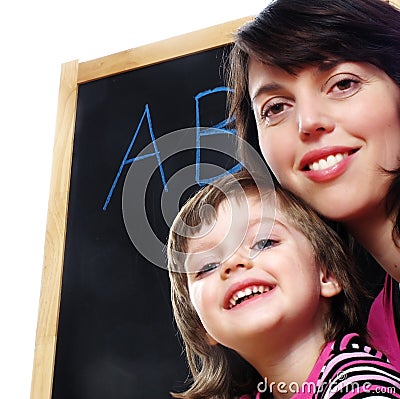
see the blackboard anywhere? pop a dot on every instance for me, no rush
(105, 327)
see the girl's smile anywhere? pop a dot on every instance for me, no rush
(240, 293)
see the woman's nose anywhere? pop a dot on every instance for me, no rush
(312, 119)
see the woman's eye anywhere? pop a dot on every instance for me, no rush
(206, 268)
(345, 86)
(274, 110)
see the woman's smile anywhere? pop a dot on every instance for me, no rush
(327, 163)
(329, 134)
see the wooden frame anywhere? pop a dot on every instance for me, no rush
(72, 74)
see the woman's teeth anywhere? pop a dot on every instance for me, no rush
(325, 163)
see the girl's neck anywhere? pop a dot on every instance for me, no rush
(290, 366)
(374, 233)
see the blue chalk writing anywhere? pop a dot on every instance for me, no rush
(210, 131)
(200, 132)
(127, 161)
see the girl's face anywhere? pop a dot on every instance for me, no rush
(328, 132)
(251, 284)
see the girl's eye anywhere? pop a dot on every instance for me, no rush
(206, 268)
(264, 244)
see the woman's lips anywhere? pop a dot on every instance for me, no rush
(327, 163)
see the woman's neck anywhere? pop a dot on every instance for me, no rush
(375, 234)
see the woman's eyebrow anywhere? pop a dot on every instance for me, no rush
(266, 89)
(327, 65)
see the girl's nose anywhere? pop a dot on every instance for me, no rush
(238, 261)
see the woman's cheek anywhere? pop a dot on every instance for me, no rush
(275, 156)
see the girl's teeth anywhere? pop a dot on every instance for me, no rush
(241, 294)
(247, 292)
(328, 162)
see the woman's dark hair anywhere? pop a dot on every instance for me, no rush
(293, 34)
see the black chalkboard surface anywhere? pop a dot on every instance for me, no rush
(105, 326)
(116, 337)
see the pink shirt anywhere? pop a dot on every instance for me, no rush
(349, 368)
(381, 324)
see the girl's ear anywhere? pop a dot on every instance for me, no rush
(329, 284)
(210, 340)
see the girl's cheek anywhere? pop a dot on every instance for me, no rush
(196, 295)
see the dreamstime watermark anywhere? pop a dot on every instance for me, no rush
(201, 170)
(340, 385)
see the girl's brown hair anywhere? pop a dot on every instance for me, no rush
(217, 371)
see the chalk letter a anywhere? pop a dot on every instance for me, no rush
(127, 161)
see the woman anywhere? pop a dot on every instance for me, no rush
(318, 81)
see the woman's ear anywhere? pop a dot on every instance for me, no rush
(329, 284)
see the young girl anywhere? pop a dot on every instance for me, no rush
(268, 301)
(317, 85)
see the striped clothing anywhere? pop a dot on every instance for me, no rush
(347, 369)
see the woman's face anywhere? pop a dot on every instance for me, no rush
(328, 132)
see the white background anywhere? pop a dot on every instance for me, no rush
(36, 38)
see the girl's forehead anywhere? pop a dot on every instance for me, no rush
(236, 216)
(247, 207)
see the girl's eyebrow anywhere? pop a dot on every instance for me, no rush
(200, 246)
